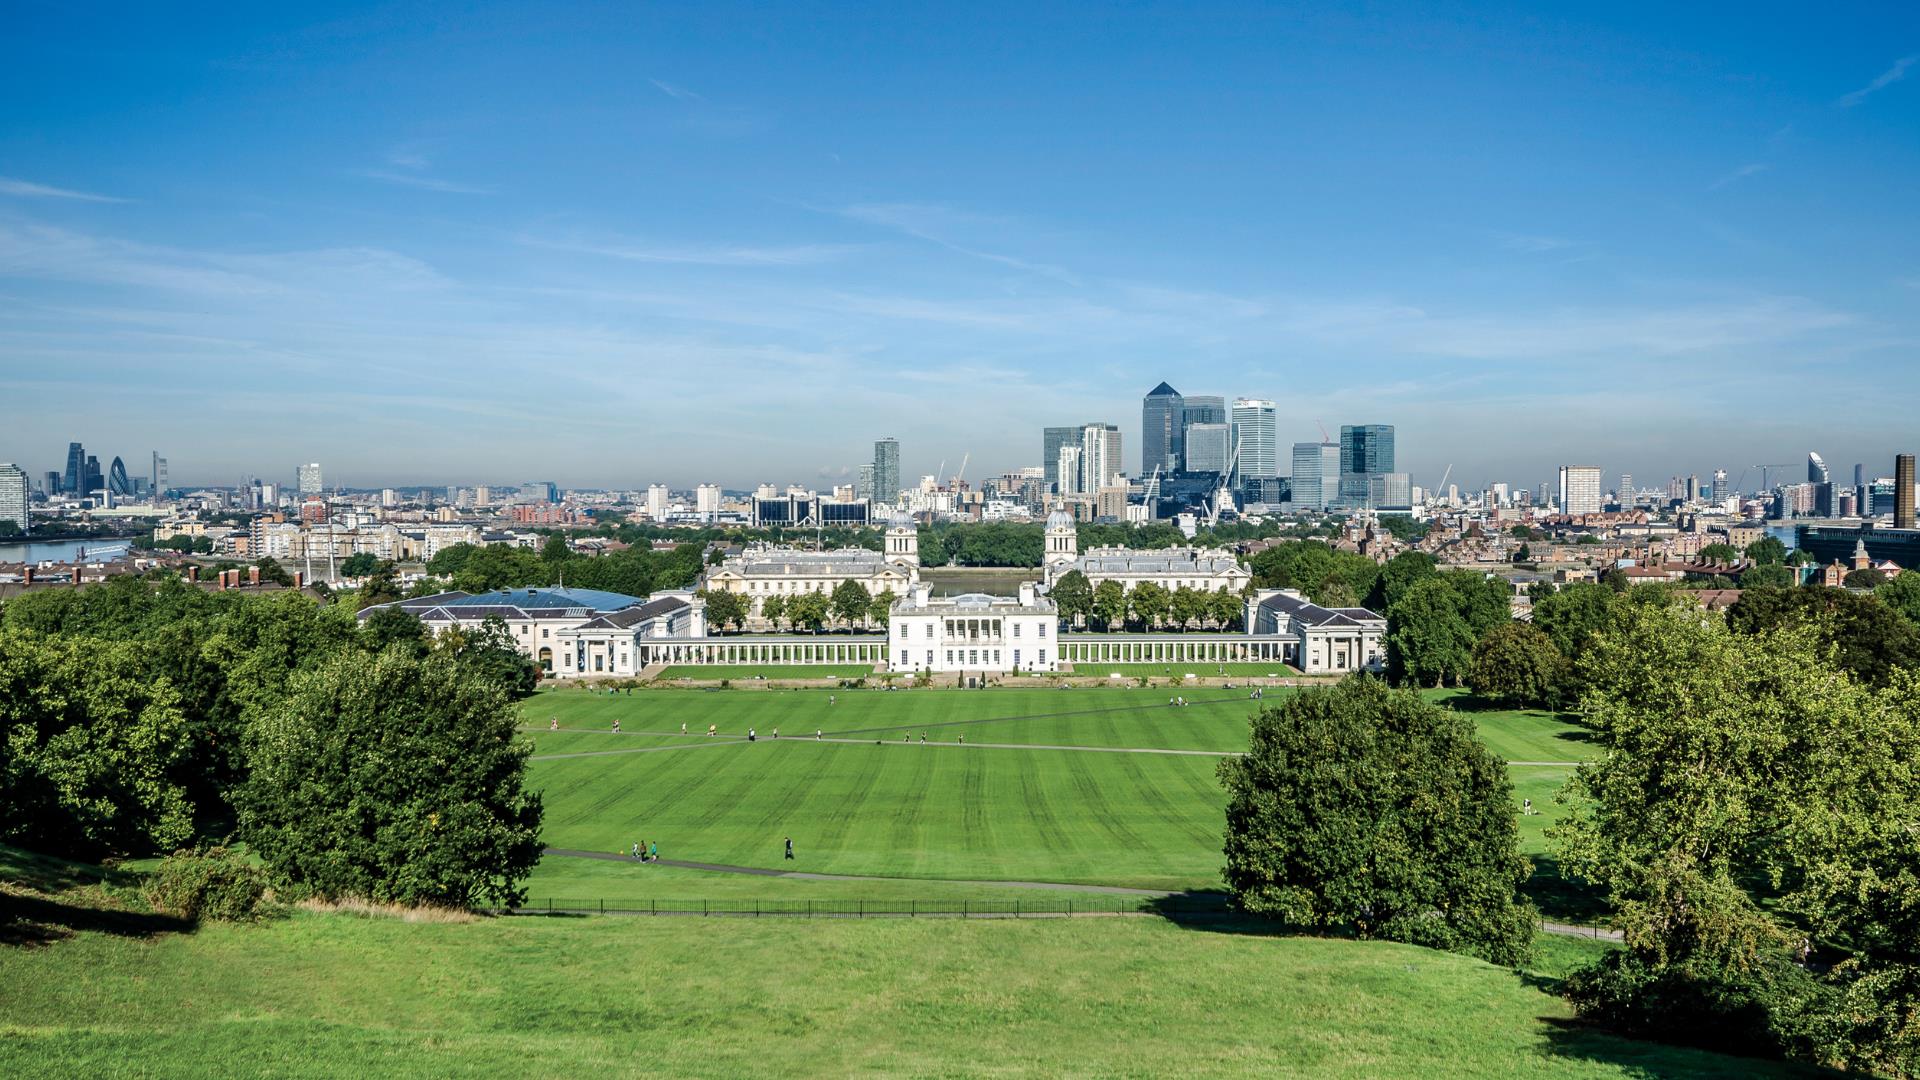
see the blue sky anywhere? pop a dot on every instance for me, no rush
(613, 244)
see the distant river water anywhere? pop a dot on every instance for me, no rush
(65, 551)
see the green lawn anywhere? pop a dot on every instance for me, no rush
(711, 672)
(334, 995)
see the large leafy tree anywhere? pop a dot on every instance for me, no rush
(880, 608)
(809, 610)
(1363, 810)
(1767, 551)
(850, 601)
(1516, 664)
(1110, 603)
(1902, 594)
(1429, 641)
(396, 780)
(1073, 594)
(724, 608)
(92, 748)
(1151, 603)
(1869, 639)
(1752, 823)
(1399, 573)
(774, 610)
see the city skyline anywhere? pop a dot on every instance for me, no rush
(715, 261)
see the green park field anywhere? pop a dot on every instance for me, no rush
(715, 672)
(1072, 788)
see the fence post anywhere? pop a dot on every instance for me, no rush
(703, 909)
(1016, 909)
(603, 907)
(1069, 907)
(966, 908)
(913, 908)
(863, 907)
(756, 907)
(653, 906)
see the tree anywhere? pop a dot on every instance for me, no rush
(1868, 638)
(774, 609)
(1573, 615)
(880, 608)
(1767, 551)
(1429, 642)
(1150, 602)
(490, 652)
(1902, 594)
(1767, 576)
(1525, 554)
(390, 627)
(1866, 578)
(380, 587)
(359, 564)
(93, 748)
(1616, 579)
(272, 573)
(1399, 573)
(1188, 606)
(1485, 600)
(1521, 532)
(1719, 553)
(809, 609)
(1751, 824)
(724, 608)
(850, 601)
(1363, 810)
(1226, 609)
(555, 550)
(1110, 603)
(395, 780)
(1517, 664)
(1073, 595)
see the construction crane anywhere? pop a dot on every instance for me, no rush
(1324, 437)
(962, 474)
(1442, 489)
(1220, 494)
(1152, 494)
(1765, 471)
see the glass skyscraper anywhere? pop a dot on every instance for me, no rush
(1253, 439)
(1366, 450)
(1316, 474)
(1052, 439)
(886, 472)
(1162, 430)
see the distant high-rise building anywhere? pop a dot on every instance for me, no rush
(90, 479)
(886, 472)
(1719, 485)
(706, 499)
(308, 477)
(13, 495)
(1100, 457)
(1067, 469)
(118, 485)
(1693, 488)
(1052, 439)
(863, 481)
(1626, 489)
(1206, 448)
(1903, 491)
(1390, 491)
(1252, 442)
(1579, 489)
(657, 502)
(1817, 470)
(76, 477)
(1366, 450)
(51, 483)
(1162, 428)
(1316, 474)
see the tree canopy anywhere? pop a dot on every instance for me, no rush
(1363, 810)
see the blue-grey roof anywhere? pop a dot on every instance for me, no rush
(593, 599)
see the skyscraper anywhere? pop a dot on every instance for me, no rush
(1817, 469)
(1162, 429)
(309, 479)
(1100, 457)
(1067, 468)
(1366, 450)
(1903, 491)
(157, 476)
(76, 478)
(1252, 439)
(1206, 448)
(1579, 489)
(1719, 485)
(90, 479)
(118, 485)
(886, 472)
(1316, 474)
(13, 495)
(1052, 439)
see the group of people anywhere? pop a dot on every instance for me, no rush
(647, 851)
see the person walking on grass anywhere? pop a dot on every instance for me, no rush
(653, 851)
(789, 848)
(683, 727)
(616, 727)
(816, 734)
(553, 724)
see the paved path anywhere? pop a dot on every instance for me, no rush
(797, 875)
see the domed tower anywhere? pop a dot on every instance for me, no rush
(1063, 539)
(903, 542)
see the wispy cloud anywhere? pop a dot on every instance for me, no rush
(672, 91)
(704, 255)
(1885, 79)
(937, 224)
(27, 189)
(1752, 168)
(425, 183)
(1531, 243)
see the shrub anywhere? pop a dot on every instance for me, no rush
(217, 884)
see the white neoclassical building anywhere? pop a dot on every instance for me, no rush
(570, 633)
(764, 570)
(1319, 641)
(1204, 569)
(973, 632)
